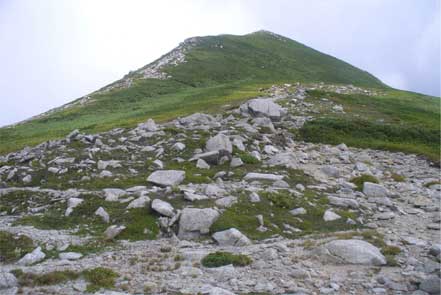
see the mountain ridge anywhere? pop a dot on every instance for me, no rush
(201, 74)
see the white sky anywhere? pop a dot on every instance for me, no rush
(53, 51)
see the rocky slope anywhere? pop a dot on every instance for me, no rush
(138, 211)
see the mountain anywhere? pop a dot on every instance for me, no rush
(267, 181)
(201, 71)
(205, 74)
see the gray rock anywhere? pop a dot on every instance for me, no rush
(298, 211)
(190, 196)
(113, 194)
(226, 202)
(31, 258)
(352, 252)
(254, 197)
(150, 125)
(265, 107)
(201, 164)
(158, 164)
(431, 285)
(102, 165)
(374, 190)
(330, 216)
(435, 249)
(236, 162)
(384, 215)
(331, 171)
(7, 280)
(167, 177)
(262, 176)
(70, 256)
(71, 204)
(163, 208)
(231, 237)
(179, 146)
(27, 179)
(112, 231)
(103, 214)
(219, 142)
(343, 202)
(140, 202)
(195, 222)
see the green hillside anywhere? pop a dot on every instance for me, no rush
(218, 71)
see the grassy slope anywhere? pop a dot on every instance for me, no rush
(213, 77)
(396, 120)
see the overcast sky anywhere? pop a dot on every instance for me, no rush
(53, 51)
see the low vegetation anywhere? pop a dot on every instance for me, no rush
(97, 278)
(394, 120)
(13, 247)
(219, 258)
(140, 222)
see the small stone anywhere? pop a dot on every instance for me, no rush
(179, 146)
(103, 214)
(70, 256)
(236, 162)
(384, 216)
(254, 197)
(158, 164)
(113, 231)
(262, 176)
(201, 164)
(298, 211)
(330, 216)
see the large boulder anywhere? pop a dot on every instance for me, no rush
(167, 177)
(374, 190)
(195, 222)
(264, 107)
(231, 237)
(351, 252)
(218, 143)
(163, 208)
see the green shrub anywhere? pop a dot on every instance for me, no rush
(397, 177)
(248, 159)
(225, 258)
(281, 199)
(360, 180)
